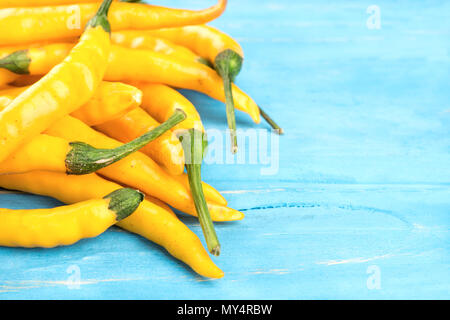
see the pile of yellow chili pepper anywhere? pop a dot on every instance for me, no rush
(89, 115)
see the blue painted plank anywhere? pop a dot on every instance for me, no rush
(359, 205)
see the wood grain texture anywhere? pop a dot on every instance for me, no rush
(364, 169)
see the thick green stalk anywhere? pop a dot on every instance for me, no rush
(85, 159)
(101, 17)
(124, 202)
(194, 143)
(228, 64)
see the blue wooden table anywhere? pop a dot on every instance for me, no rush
(359, 206)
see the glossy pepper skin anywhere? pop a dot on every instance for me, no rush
(159, 99)
(137, 122)
(139, 171)
(166, 150)
(149, 220)
(41, 3)
(66, 225)
(223, 53)
(136, 65)
(50, 153)
(64, 89)
(141, 39)
(226, 57)
(111, 100)
(150, 66)
(97, 113)
(61, 22)
(206, 41)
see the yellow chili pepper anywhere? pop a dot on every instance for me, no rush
(221, 50)
(38, 3)
(159, 101)
(63, 90)
(7, 77)
(227, 57)
(150, 66)
(211, 194)
(45, 152)
(137, 122)
(161, 204)
(149, 220)
(141, 39)
(41, 3)
(139, 171)
(159, 98)
(111, 100)
(96, 113)
(61, 22)
(68, 224)
(134, 65)
(49, 54)
(167, 150)
(204, 40)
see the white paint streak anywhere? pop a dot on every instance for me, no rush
(32, 284)
(272, 271)
(252, 191)
(354, 260)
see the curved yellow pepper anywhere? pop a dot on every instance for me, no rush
(39, 3)
(167, 150)
(149, 220)
(206, 41)
(97, 113)
(66, 225)
(61, 22)
(160, 100)
(45, 152)
(64, 89)
(150, 66)
(111, 100)
(139, 171)
(141, 39)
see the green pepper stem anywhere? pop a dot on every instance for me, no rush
(228, 64)
(205, 62)
(85, 159)
(124, 202)
(194, 143)
(231, 116)
(17, 62)
(194, 174)
(271, 122)
(101, 17)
